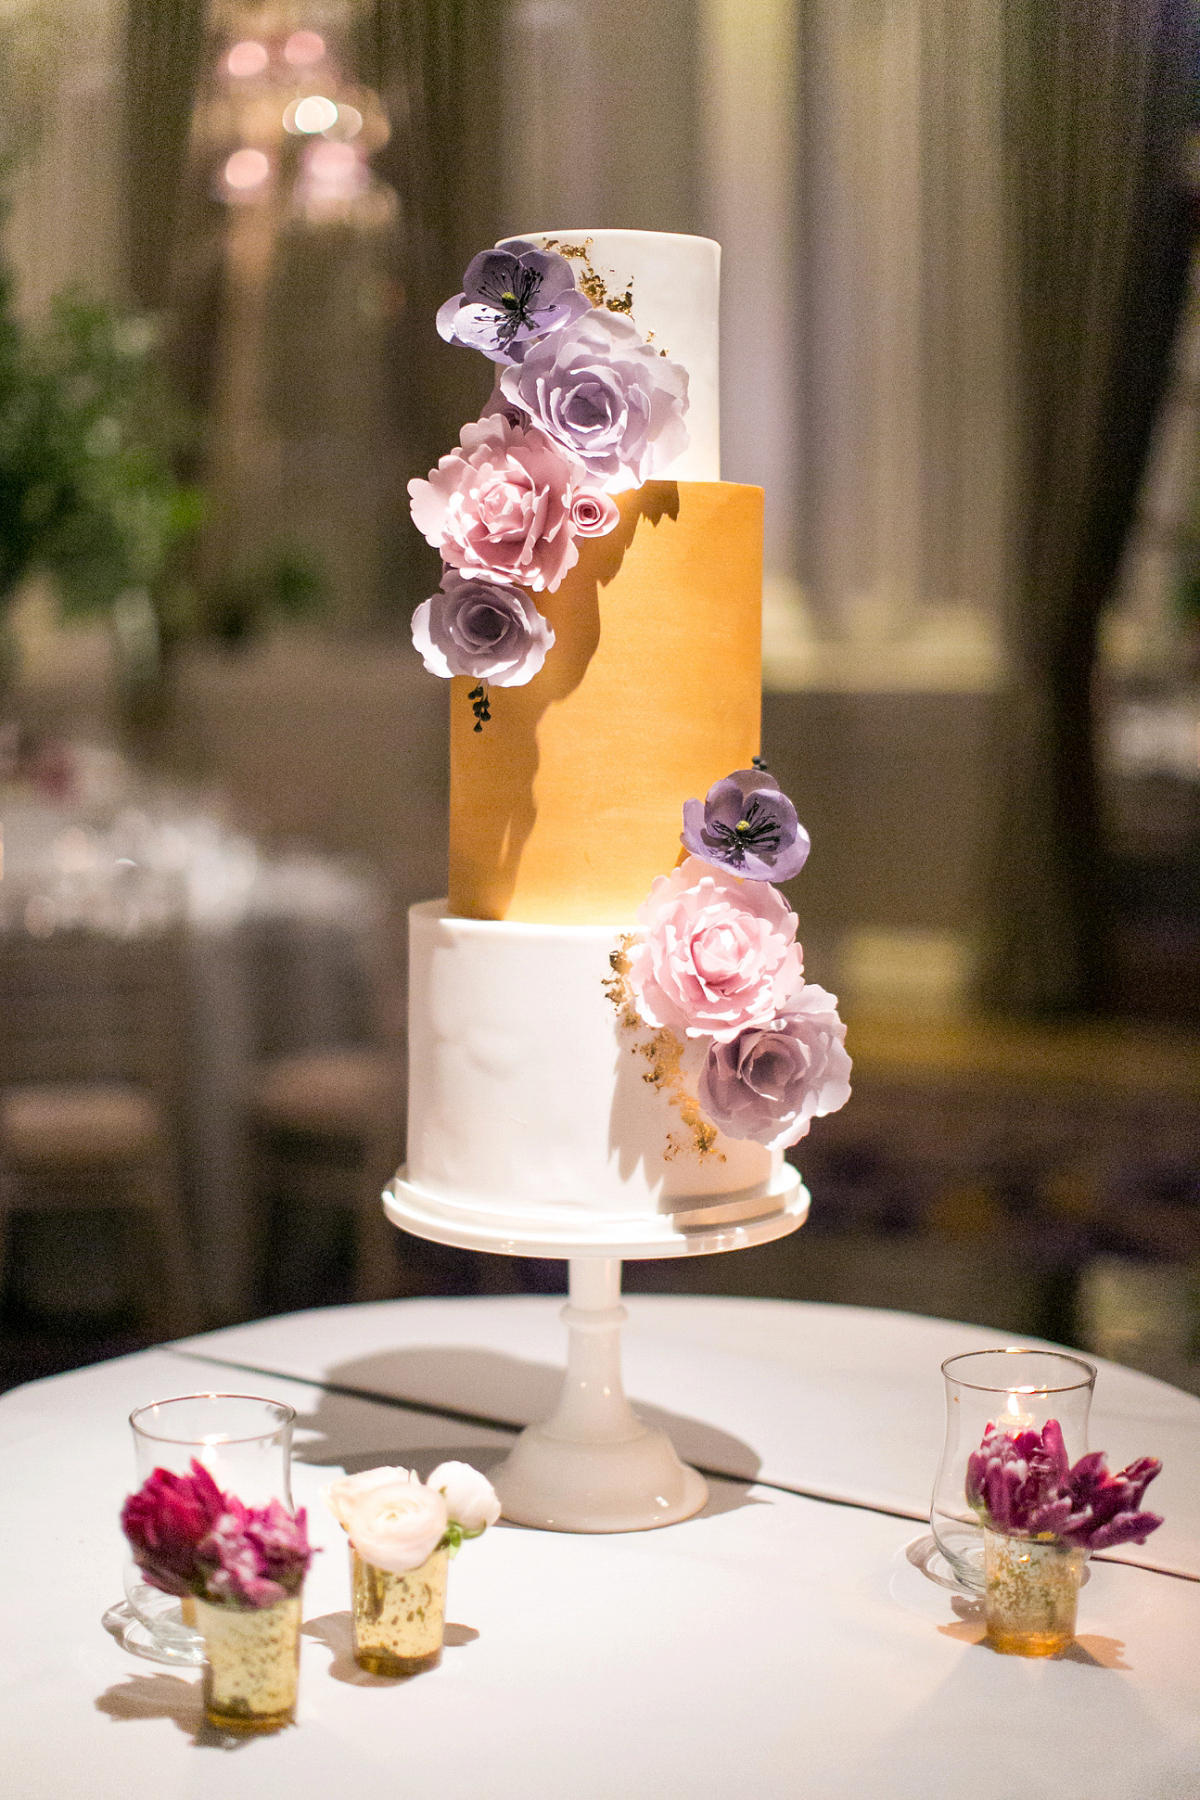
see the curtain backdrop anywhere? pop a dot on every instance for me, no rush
(1098, 102)
(163, 44)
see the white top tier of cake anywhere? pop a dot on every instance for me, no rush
(675, 282)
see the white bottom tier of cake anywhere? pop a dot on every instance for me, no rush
(542, 1122)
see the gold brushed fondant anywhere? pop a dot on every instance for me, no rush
(568, 803)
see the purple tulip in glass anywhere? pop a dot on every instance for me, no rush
(511, 297)
(747, 825)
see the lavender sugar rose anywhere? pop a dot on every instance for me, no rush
(483, 627)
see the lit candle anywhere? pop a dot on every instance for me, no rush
(1014, 1418)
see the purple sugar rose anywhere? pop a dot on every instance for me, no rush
(746, 824)
(482, 628)
(772, 1080)
(603, 394)
(1021, 1483)
(511, 296)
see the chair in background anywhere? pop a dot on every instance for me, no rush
(91, 1064)
(327, 1102)
(330, 1129)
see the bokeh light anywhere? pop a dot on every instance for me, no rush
(303, 49)
(247, 170)
(246, 59)
(312, 114)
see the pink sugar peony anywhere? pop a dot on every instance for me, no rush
(502, 503)
(718, 954)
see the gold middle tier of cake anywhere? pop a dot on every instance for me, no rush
(568, 803)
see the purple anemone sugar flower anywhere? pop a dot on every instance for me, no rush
(746, 824)
(166, 1521)
(256, 1556)
(483, 628)
(771, 1081)
(1022, 1484)
(511, 296)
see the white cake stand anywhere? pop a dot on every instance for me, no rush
(594, 1465)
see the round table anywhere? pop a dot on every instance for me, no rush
(783, 1643)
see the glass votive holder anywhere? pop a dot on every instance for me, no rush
(1015, 1390)
(252, 1664)
(245, 1443)
(399, 1620)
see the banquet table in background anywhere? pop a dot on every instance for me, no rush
(783, 1643)
(281, 952)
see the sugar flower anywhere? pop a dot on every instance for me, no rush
(187, 1537)
(511, 296)
(746, 824)
(504, 503)
(770, 1081)
(392, 1519)
(1022, 1484)
(481, 627)
(606, 396)
(717, 954)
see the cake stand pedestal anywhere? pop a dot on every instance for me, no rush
(594, 1465)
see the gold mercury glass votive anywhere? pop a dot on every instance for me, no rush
(1030, 1594)
(399, 1619)
(253, 1664)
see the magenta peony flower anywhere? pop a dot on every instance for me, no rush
(718, 954)
(502, 504)
(256, 1556)
(511, 296)
(165, 1522)
(1021, 1484)
(770, 1081)
(746, 824)
(606, 396)
(187, 1537)
(483, 628)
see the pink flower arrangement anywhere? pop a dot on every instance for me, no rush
(187, 1537)
(1023, 1485)
(718, 954)
(510, 503)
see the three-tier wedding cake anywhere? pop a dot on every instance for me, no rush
(611, 1038)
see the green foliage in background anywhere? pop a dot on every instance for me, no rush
(88, 493)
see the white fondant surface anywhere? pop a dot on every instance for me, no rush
(676, 284)
(528, 1103)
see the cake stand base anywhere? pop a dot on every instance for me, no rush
(594, 1466)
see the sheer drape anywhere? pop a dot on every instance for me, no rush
(1098, 95)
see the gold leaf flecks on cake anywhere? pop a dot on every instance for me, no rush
(664, 1053)
(591, 282)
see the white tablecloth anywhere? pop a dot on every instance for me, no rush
(775, 1646)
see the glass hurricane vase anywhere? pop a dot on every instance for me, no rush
(245, 1443)
(399, 1620)
(1017, 1390)
(1030, 1594)
(252, 1664)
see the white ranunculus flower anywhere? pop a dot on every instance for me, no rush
(471, 1500)
(391, 1518)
